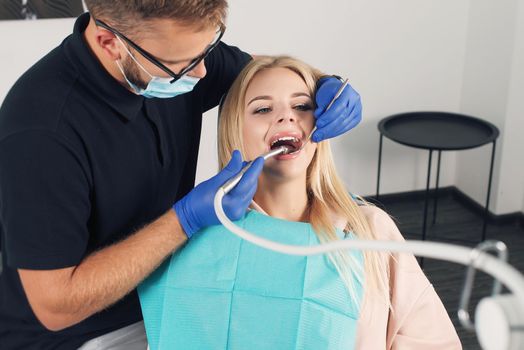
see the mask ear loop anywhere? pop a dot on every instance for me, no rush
(135, 88)
(133, 58)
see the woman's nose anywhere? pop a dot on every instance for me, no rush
(288, 117)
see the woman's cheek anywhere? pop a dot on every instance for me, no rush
(311, 152)
(311, 122)
(251, 146)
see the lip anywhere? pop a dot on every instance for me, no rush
(295, 134)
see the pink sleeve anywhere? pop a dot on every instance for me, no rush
(425, 326)
(418, 319)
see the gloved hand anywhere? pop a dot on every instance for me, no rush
(196, 211)
(342, 116)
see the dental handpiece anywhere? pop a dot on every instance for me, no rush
(231, 183)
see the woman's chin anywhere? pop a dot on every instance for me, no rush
(288, 165)
(284, 172)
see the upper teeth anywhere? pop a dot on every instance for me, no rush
(285, 138)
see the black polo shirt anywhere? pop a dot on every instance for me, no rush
(85, 163)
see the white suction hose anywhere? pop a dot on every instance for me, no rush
(508, 330)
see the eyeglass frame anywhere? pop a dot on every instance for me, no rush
(194, 62)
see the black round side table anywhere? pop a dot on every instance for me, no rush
(439, 131)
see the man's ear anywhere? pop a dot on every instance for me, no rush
(108, 42)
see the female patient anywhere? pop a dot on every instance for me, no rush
(222, 293)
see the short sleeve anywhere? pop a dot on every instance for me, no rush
(44, 201)
(223, 65)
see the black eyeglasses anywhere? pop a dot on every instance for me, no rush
(156, 62)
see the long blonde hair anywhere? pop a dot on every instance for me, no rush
(326, 192)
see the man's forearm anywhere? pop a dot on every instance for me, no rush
(106, 276)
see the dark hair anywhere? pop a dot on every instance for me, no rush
(124, 14)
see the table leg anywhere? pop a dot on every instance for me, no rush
(426, 199)
(379, 164)
(486, 210)
(436, 190)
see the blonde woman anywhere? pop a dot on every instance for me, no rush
(221, 293)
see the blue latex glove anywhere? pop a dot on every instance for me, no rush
(196, 211)
(342, 116)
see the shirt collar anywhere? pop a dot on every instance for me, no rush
(95, 76)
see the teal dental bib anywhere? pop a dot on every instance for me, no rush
(221, 292)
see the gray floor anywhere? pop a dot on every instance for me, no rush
(456, 222)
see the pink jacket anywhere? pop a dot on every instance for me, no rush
(418, 319)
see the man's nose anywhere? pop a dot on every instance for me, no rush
(199, 71)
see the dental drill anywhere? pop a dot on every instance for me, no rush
(231, 183)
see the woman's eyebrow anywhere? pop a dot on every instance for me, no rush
(267, 97)
(298, 94)
(263, 97)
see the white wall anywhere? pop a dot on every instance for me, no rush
(24, 42)
(511, 177)
(401, 56)
(493, 90)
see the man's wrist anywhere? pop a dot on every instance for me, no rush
(183, 222)
(172, 228)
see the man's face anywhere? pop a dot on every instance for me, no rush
(173, 44)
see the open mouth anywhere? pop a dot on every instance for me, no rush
(293, 144)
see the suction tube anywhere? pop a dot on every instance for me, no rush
(513, 327)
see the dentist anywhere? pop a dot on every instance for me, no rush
(98, 152)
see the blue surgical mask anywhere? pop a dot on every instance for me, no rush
(160, 87)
